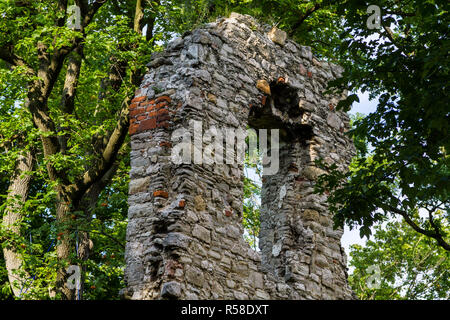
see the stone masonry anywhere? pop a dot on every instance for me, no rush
(185, 234)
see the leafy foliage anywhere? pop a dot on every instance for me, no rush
(411, 266)
(405, 64)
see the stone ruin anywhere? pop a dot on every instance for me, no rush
(185, 233)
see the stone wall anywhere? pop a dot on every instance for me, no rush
(185, 234)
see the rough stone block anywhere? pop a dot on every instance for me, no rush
(195, 276)
(277, 36)
(184, 236)
(202, 233)
(171, 290)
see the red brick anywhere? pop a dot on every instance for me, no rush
(165, 144)
(133, 129)
(164, 124)
(133, 106)
(138, 99)
(161, 193)
(162, 112)
(162, 118)
(146, 103)
(161, 105)
(147, 125)
(163, 98)
(136, 112)
(142, 117)
(171, 267)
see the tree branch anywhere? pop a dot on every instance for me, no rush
(308, 12)
(48, 72)
(8, 56)
(115, 140)
(62, 6)
(88, 11)
(108, 154)
(435, 235)
(69, 89)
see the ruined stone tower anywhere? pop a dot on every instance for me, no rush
(185, 234)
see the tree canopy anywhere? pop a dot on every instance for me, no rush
(404, 64)
(408, 266)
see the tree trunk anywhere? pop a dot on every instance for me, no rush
(64, 249)
(17, 195)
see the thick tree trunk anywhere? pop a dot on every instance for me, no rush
(66, 245)
(70, 89)
(64, 249)
(17, 195)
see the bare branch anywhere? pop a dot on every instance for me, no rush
(88, 11)
(435, 235)
(308, 12)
